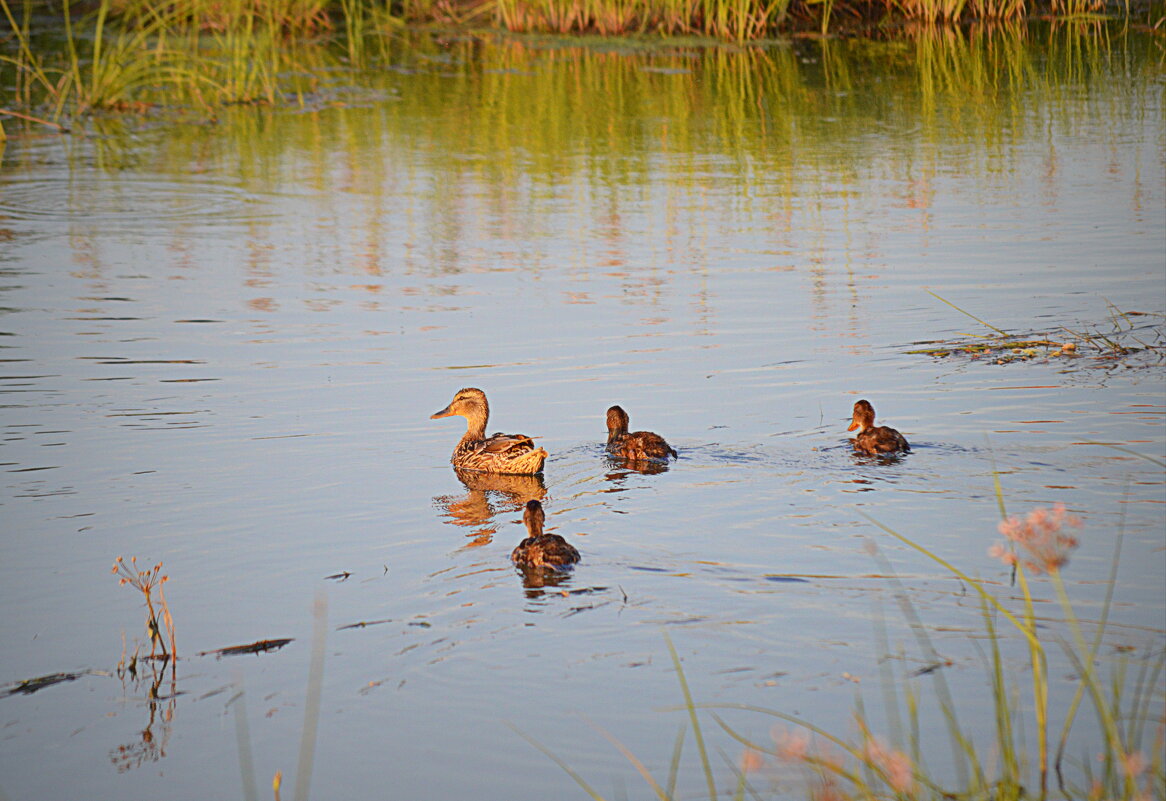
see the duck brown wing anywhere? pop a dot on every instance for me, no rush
(505, 443)
(646, 445)
(561, 552)
(519, 555)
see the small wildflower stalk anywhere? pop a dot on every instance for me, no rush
(1039, 545)
(1114, 742)
(145, 581)
(1040, 683)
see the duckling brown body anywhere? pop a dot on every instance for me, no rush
(498, 453)
(636, 446)
(541, 550)
(872, 439)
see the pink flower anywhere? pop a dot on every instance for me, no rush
(895, 766)
(792, 746)
(1043, 546)
(751, 761)
(1134, 764)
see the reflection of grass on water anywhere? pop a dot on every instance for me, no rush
(129, 54)
(1124, 758)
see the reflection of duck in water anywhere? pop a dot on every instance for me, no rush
(490, 494)
(636, 446)
(874, 439)
(541, 550)
(623, 466)
(500, 453)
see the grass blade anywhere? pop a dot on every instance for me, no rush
(969, 314)
(579, 780)
(704, 757)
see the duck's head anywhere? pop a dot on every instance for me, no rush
(533, 517)
(863, 418)
(617, 421)
(470, 403)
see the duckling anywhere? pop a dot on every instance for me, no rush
(499, 453)
(637, 445)
(874, 439)
(538, 549)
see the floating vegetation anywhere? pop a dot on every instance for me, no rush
(1000, 350)
(363, 624)
(258, 647)
(1133, 339)
(30, 686)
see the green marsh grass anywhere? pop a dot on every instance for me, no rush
(124, 52)
(1124, 754)
(141, 54)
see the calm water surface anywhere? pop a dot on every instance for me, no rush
(222, 343)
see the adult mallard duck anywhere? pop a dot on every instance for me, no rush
(541, 550)
(874, 439)
(637, 445)
(499, 453)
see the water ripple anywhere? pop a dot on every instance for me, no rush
(121, 199)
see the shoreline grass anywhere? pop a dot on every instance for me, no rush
(120, 54)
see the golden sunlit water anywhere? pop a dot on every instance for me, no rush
(221, 341)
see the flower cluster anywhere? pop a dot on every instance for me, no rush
(893, 767)
(1042, 545)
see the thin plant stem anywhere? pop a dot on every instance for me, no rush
(704, 758)
(1089, 676)
(312, 702)
(636, 763)
(1004, 738)
(674, 765)
(1131, 452)
(961, 745)
(30, 118)
(969, 314)
(1040, 687)
(243, 743)
(1097, 637)
(957, 572)
(579, 780)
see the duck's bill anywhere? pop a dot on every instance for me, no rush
(852, 426)
(443, 413)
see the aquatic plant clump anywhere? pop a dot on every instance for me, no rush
(1133, 339)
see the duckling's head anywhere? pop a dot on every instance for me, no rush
(617, 421)
(469, 402)
(533, 517)
(863, 418)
